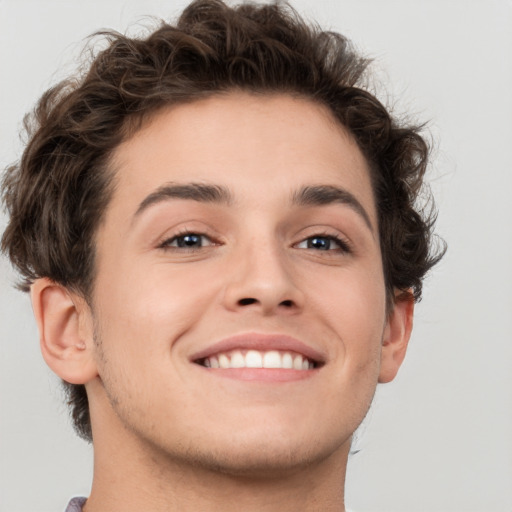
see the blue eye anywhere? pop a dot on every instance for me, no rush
(324, 243)
(188, 241)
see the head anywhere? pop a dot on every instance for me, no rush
(59, 194)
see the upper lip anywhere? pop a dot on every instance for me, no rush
(261, 342)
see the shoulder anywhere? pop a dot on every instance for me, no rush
(75, 505)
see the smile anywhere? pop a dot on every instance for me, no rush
(260, 357)
(270, 359)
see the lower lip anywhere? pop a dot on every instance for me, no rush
(261, 374)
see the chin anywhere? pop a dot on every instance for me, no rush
(267, 457)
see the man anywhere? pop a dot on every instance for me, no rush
(217, 226)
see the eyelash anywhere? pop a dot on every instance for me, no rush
(343, 245)
(166, 244)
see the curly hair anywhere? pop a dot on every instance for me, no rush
(57, 193)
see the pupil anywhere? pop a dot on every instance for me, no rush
(189, 241)
(320, 243)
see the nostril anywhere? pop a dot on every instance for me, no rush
(287, 303)
(247, 302)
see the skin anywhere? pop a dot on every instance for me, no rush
(170, 434)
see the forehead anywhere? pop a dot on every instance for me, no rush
(253, 144)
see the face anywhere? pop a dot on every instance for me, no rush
(239, 303)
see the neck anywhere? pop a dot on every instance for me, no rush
(131, 474)
(134, 479)
(193, 490)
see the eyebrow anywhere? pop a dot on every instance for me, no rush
(318, 195)
(311, 195)
(201, 192)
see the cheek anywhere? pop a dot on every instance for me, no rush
(352, 309)
(149, 310)
(351, 300)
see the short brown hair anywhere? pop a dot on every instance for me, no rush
(57, 193)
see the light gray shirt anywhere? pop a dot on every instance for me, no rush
(75, 505)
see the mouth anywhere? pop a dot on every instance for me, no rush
(269, 359)
(259, 352)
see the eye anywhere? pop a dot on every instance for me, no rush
(187, 241)
(324, 243)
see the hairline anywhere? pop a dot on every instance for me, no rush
(137, 122)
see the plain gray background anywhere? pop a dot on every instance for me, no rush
(438, 439)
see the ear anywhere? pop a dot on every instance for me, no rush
(65, 328)
(396, 337)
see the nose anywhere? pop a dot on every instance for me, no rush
(261, 279)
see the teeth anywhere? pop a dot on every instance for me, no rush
(287, 360)
(224, 361)
(253, 359)
(237, 360)
(257, 359)
(297, 362)
(272, 359)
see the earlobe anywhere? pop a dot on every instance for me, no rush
(66, 337)
(396, 338)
